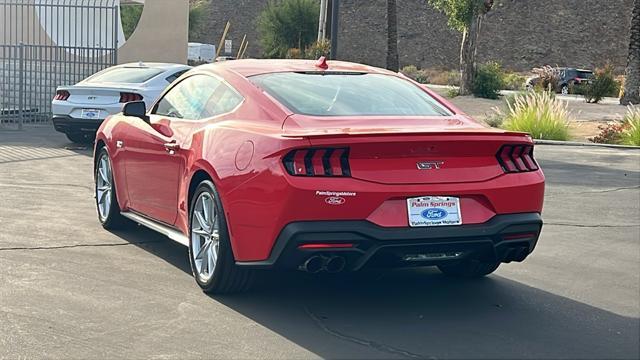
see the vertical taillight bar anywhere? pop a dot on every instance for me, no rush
(329, 162)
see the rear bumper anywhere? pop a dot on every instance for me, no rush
(504, 238)
(67, 124)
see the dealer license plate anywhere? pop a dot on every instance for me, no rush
(90, 114)
(434, 211)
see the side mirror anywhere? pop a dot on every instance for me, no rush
(136, 109)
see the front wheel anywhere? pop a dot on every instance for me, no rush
(564, 90)
(105, 193)
(212, 262)
(469, 268)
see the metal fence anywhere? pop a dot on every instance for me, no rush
(49, 43)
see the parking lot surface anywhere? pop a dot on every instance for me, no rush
(69, 289)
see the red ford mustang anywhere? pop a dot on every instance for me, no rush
(317, 166)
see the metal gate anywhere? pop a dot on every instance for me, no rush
(49, 43)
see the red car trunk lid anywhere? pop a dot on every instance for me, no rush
(413, 151)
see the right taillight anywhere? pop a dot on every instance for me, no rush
(126, 97)
(62, 95)
(332, 162)
(517, 158)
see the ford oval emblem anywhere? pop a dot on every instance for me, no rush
(434, 213)
(335, 200)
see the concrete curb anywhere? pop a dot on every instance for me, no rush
(574, 143)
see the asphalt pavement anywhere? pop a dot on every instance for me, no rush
(69, 289)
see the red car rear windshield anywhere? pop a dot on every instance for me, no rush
(349, 94)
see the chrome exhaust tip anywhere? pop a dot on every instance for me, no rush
(335, 264)
(313, 265)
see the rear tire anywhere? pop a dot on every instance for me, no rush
(564, 90)
(209, 240)
(80, 138)
(105, 194)
(469, 268)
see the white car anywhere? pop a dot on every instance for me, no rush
(78, 110)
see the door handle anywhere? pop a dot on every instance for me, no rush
(172, 147)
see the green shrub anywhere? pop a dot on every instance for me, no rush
(631, 123)
(513, 81)
(288, 24)
(488, 81)
(604, 84)
(540, 115)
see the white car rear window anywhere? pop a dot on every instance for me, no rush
(128, 75)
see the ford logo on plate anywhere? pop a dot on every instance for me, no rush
(335, 200)
(434, 213)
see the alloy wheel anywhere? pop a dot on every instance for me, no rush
(205, 238)
(104, 186)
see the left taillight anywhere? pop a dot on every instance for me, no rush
(329, 162)
(517, 158)
(126, 97)
(62, 95)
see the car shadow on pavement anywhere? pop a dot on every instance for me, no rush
(419, 313)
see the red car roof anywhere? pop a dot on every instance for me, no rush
(250, 67)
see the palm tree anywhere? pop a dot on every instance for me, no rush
(392, 36)
(632, 81)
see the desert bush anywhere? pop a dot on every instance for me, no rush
(604, 84)
(412, 72)
(610, 133)
(510, 99)
(294, 53)
(549, 77)
(539, 114)
(513, 81)
(625, 132)
(488, 81)
(496, 119)
(318, 49)
(422, 77)
(631, 124)
(453, 91)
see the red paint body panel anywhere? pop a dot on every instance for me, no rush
(242, 152)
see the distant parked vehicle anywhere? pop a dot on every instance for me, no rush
(78, 110)
(225, 58)
(569, 77)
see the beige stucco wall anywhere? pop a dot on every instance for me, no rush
(162, 33)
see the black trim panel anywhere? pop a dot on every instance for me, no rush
(371, 239)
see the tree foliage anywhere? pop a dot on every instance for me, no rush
(129, 17)
(458, 12)
(287, 24)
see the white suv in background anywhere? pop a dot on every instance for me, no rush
(78, 110)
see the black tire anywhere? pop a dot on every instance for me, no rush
(80, 138)
(469, 268)
(113, 219)
(227, 277)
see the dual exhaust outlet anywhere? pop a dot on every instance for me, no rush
(318, 263)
